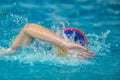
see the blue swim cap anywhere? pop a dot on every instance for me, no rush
(78, 36)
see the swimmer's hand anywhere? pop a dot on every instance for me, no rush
(83, 52)
(6, 51)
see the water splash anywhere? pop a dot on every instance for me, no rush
(98, 43)
(30, 54)
(18, 19)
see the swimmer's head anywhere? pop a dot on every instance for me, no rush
(73, 35)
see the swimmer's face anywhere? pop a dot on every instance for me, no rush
(61, 51)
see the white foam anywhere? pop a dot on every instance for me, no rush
(98, 43)
(30, 54)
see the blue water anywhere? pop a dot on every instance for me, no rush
(98, 19)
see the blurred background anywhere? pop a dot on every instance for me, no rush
(98, 19)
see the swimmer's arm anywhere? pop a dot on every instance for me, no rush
(36, 31)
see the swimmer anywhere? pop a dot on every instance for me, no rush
(31, 31)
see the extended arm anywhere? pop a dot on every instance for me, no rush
(36, 31)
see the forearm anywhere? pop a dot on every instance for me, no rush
(42, 33)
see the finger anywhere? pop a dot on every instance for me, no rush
(76, 46)
(83, 48)
(88, 55)
(86, 52)
(85, 55)
(81, 56)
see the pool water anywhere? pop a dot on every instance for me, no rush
(98, 19)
